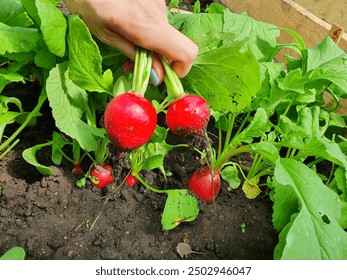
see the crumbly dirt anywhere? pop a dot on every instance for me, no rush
(53, 219)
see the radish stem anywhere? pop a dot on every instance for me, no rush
(142, 69)
(173, 83)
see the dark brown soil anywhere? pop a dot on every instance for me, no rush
(51, 218)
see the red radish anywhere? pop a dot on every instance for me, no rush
(188, 115)
(205, 183)
(77, 169)
(130, 120)
(101, 175)
(131, 180)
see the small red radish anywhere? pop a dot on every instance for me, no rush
(130, 120)
(101, 175)
(76, 169)
(188, 115)
(131, 180)
(205, 183)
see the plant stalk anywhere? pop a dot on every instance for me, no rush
(32, 114)
(142, 70)
(173, 83)
(227, 154)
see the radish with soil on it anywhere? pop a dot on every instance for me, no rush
(130, 119)
(188, 114)
(131, 180)
(205, 183)
(100, 175)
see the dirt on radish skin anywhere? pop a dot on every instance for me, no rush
(205, 183)
(101, 175)
(130, 120)
(188, 115)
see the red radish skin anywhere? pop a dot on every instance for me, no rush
(188, 115)
(130, 120)
(101, 174)
(131, 180)
(205, 184)
(77, 169)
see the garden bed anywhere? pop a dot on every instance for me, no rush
(262, 129)
(54, 219)
(51, 218)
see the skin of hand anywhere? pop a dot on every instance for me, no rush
(123, 24)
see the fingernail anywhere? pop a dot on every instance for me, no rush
(154, 77)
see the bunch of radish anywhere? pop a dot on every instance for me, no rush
(130, 120)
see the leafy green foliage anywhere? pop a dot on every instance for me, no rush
(18, 39)
(308, 213)
(223, 77)
(85, 60)
(68, 102)
(30, 156)
(51, 23)
(270, 112)
(15, 253)
(180, 207)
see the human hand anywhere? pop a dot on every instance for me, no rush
(124, 24)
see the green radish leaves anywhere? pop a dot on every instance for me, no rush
(308, 213)
(69, 102)
(30, 156)
(227, 77)
(180, 207)
(52, 24)
(18, 39)
(14, 254)
(85, 59)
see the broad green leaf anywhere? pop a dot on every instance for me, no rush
(227, 77)
(30, 156)
(18, 39)
(14, 254)
(51, 22)
(180, 207)
(68, 103)
(12, 13)
(45, 59)
(85, 59)
(322, 53)
(231, 175)
(155, 161)
(53, 26)
(306, 135)
(8, 78)
(334, 71)
(261, 36)
(267, 150)
(196, 24)
(312, 212)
